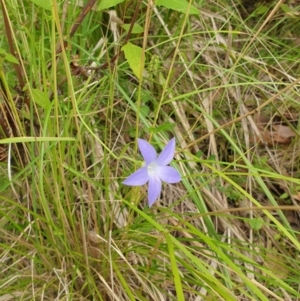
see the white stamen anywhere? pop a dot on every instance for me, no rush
(152, 168)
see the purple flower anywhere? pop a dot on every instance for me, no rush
(155, 169)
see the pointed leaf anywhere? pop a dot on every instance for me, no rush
(167, 126)
(41, 98)
(133, 55)
(10, 58)
(45, 4)
(137, 28)
(104, 4)
(181, 6)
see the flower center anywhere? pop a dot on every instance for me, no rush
(152, 168)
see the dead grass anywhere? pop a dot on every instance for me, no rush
(225, 86)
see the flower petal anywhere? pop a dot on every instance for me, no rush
(148, 151)
(167, 154)
(138, 178)
(153, 190)
(168, 174)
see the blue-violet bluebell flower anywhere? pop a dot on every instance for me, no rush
(154, 169)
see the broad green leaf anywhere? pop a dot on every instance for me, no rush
(45, 4)
(104, 4)
(199, 154)
(133, 55)
(11, 58)
(285, 8)
(181, 6)
(145, 110)
(256, 223)
(212, 158)
(40, 98)
(261, 10)
(284, 196)
(8, 57)
(137, 28)
(167, 126)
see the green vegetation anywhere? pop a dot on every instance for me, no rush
(77, 90)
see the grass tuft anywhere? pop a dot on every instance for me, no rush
(223, 82)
